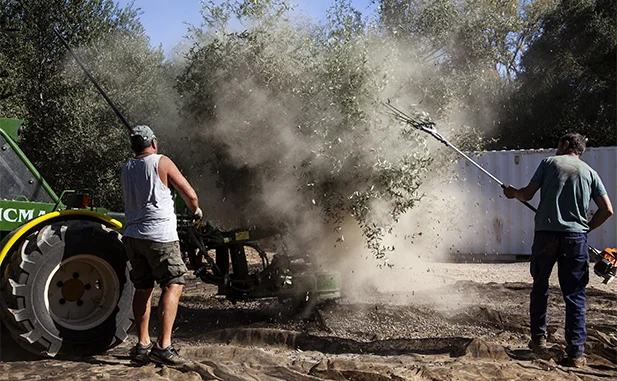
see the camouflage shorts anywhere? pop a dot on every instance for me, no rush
(154, 261)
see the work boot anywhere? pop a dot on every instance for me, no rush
(576, 362)
(538, 345)
(139, 353)
(166, 356)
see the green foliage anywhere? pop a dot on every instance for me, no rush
(525, 72)
(568, 81)
(288, 112)
(463, 44)
(71, 134)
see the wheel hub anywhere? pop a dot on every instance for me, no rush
(82, 292)
(73, 290)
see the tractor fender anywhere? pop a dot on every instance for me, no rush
(45, 219)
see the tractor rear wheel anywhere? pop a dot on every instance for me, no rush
(66, 290)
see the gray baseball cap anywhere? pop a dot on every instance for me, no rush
(144, 132)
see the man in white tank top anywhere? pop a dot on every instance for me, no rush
(151, 242)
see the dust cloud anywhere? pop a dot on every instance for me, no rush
(423, 239)
(282, 149)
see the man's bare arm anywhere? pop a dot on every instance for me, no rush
(523, 194)
(605, 210)
(175, 179)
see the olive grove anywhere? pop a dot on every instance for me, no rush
(279, 119)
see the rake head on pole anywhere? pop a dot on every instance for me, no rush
(419, 122)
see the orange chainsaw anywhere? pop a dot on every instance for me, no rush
(605, 261)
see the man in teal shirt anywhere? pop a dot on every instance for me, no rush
(567, 185)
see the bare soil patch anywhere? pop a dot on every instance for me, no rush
(472, 326)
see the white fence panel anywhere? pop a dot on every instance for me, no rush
(508, 224)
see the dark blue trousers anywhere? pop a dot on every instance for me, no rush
(570, 251)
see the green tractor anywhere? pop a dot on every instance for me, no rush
(65, 287)
(64, 275)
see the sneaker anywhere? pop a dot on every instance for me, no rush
(166, 356)
(538, 345)
(576, 362)
(139, 354)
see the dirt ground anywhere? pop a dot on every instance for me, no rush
(469, 322)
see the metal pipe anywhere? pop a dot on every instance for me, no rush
(429, 127)
(435, 134)
(91, 78)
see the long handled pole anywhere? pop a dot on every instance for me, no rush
(429, 127)
(91, 78)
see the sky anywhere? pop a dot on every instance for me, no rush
(165, 20)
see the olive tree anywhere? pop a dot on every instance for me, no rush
(290, 111)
